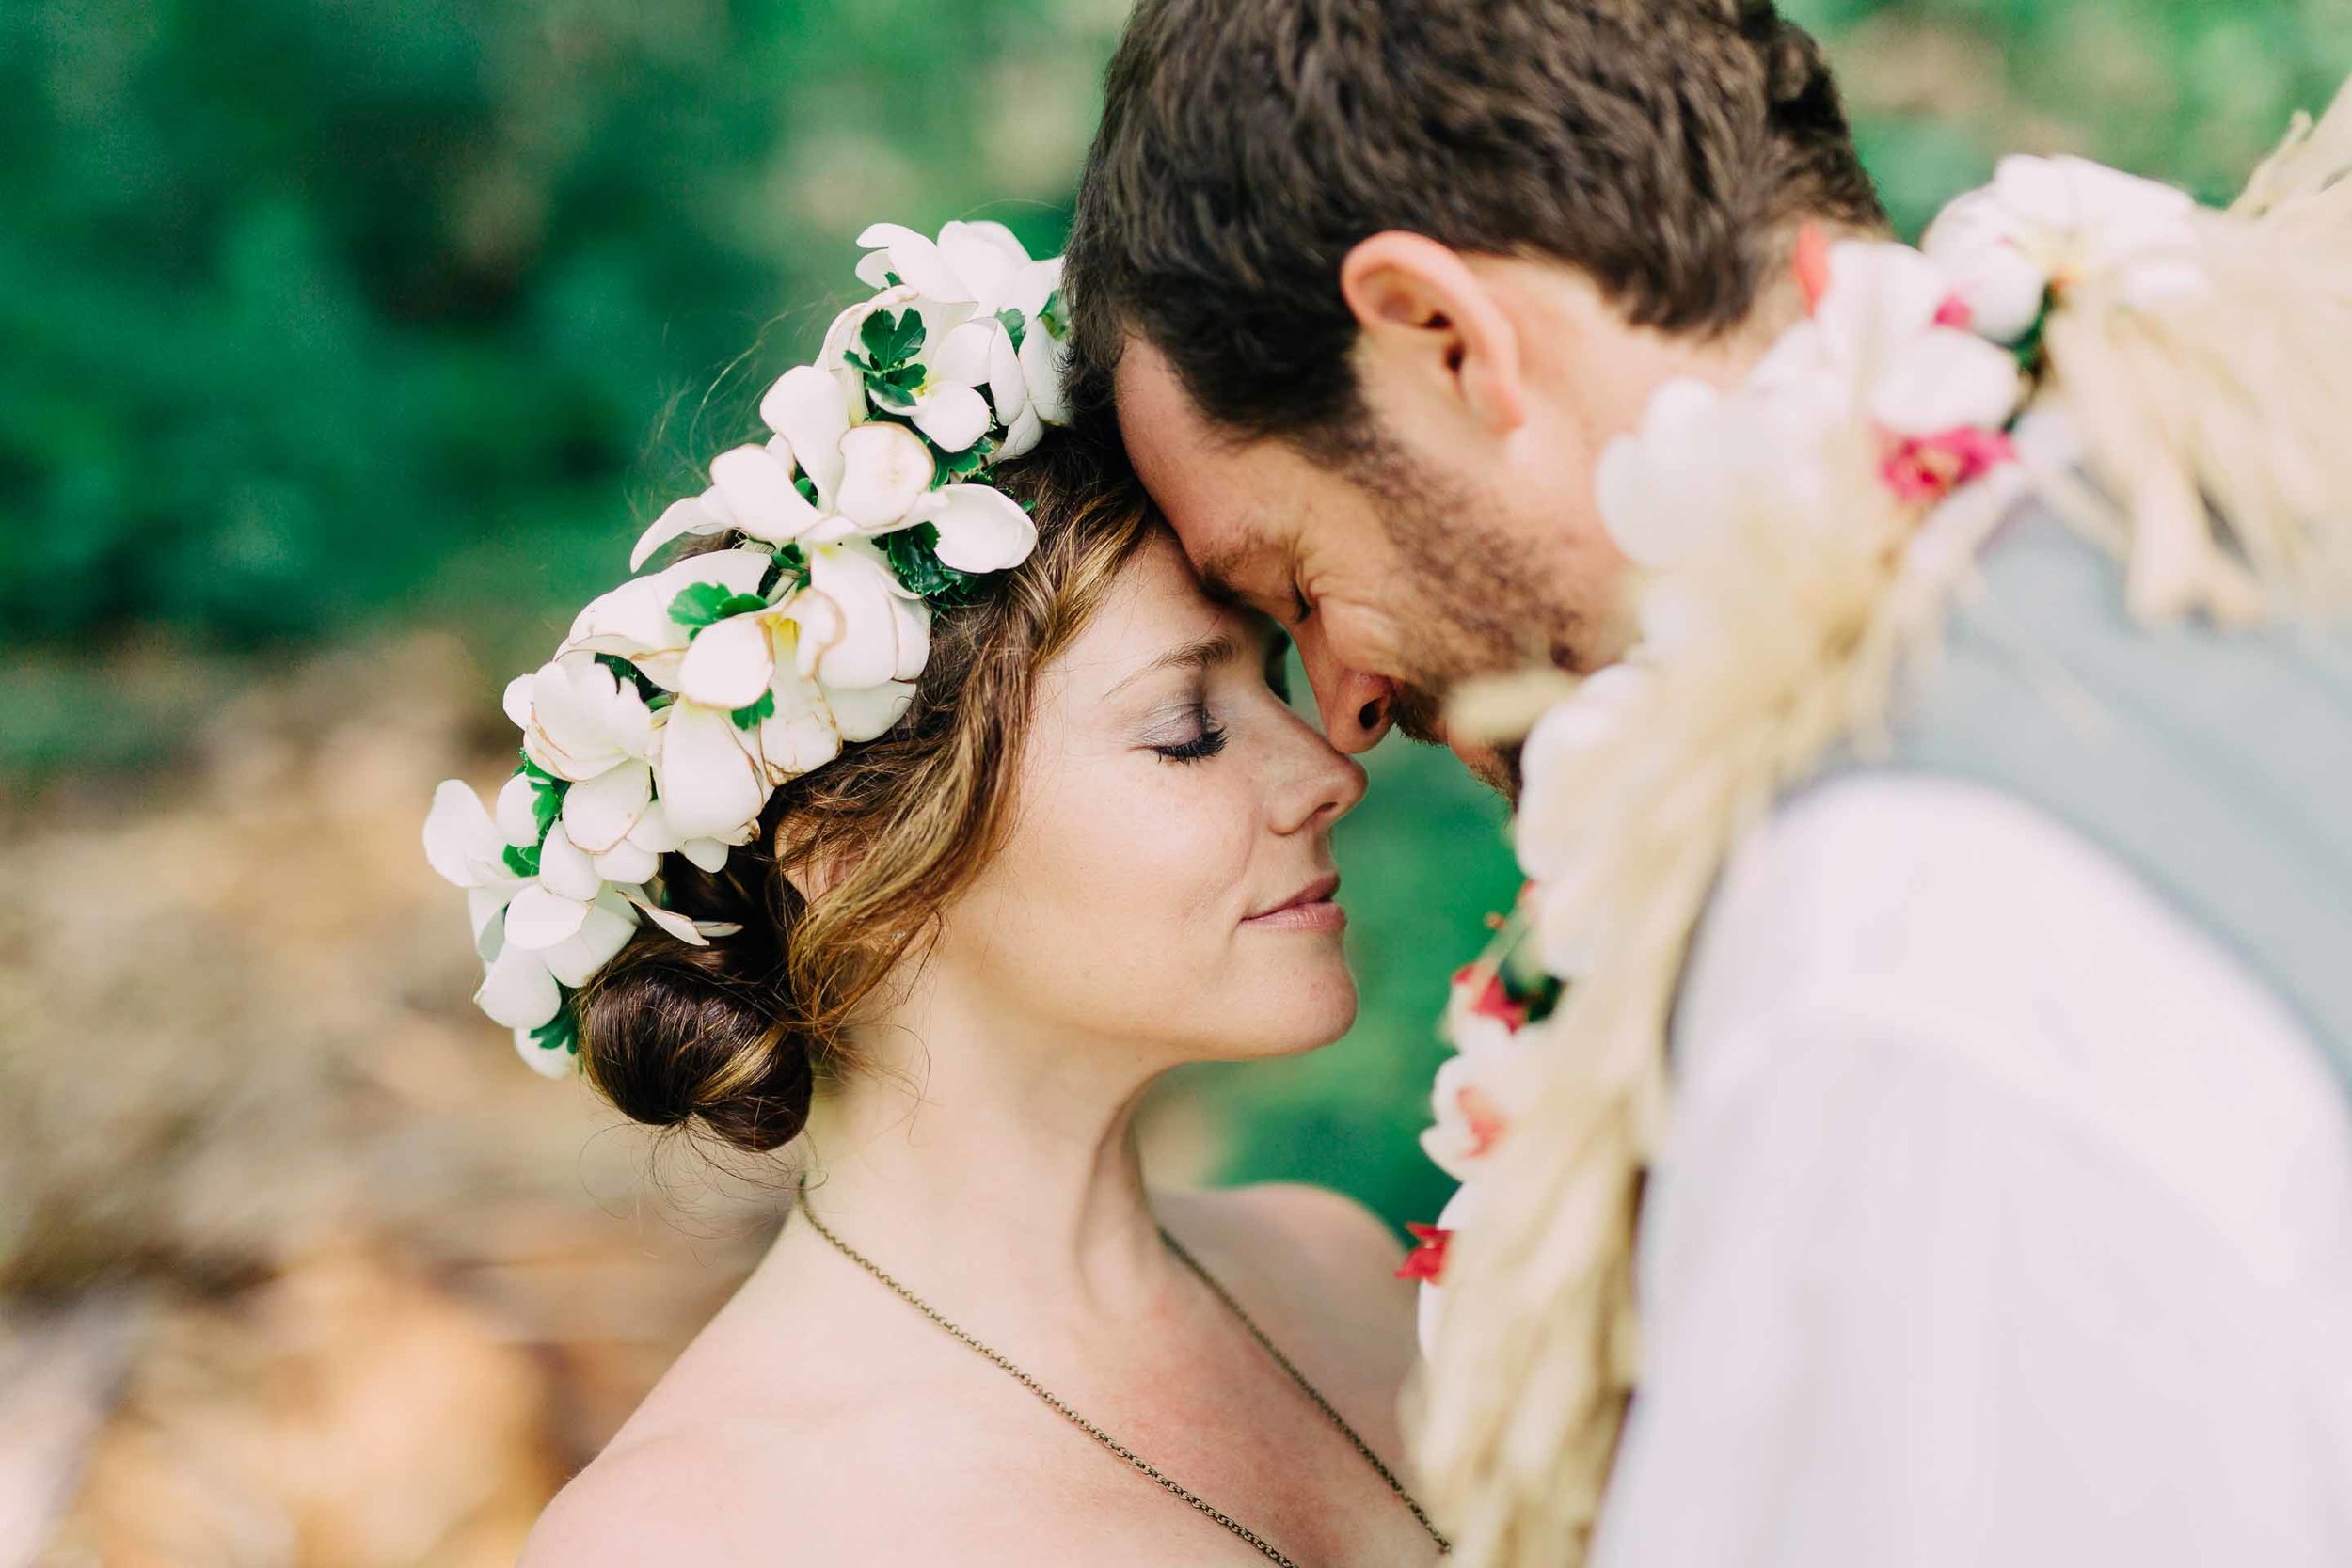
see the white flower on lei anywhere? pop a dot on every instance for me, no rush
(2051, 223)
(1473, 1100)
(1891, 334)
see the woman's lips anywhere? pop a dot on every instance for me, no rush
(1311, 910)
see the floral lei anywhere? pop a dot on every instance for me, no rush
(681, 699)
(1796, 542)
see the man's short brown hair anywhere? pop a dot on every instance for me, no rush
(1665, 147)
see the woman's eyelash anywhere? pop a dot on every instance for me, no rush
(1208, 743)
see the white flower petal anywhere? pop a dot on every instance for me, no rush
(860, 583)
(546, 1061)
(515, 700)
(758, 492)
(962, 357)
(981, 528)
(461, 843)
(1045, 365)
(653, 831)
(918, 261)
(985, 256)
(539, 918)
(885, 469)
(806, 407)
(1657, 488)
(863, 713)
(1947, 380)
(565, 868)
(1548, 832)
(633, 620)
(816, 625)
(952, 417)
(913, 617)
(484, 906)
(799, 736)
(680, 517)
(1031, 288)
(1974, 241)
(1007, 385)
(609, 924)
(517, 811)
(518, 990)
(600, 813)
(708, 853)
(1881, 296)
(627, 864)
(729, 664)
(1021, 436)
(584, 719)
(709, 783)
(694, 934)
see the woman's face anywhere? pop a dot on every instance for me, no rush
(1167, 881)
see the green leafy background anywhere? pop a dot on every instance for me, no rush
(320, 317)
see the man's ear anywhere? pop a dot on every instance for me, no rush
(1425, 314)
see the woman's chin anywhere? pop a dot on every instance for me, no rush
(1316, 1010)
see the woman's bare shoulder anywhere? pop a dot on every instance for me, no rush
(765, 1490)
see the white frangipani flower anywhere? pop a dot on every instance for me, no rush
(970, 264)
(2047, 223)
(633, 621)
(467, 848)
(834, 662)
(867, 474)
(577, 718)
(884, 632)
(1025, 374)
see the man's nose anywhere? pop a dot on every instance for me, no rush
(1356, 707)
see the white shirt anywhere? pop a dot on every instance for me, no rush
(2003, 1219)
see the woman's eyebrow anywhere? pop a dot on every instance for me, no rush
(1202, 654)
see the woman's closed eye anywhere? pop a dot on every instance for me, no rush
(1198, 737)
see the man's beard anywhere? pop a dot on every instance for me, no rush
(1479, 604)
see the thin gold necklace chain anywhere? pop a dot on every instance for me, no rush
(1199, 1504)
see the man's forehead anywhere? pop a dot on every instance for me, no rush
(1189, 468)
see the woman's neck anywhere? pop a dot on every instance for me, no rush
(990, 1152)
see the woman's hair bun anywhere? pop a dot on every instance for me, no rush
(672, 1033)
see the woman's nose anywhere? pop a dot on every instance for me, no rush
(1324, 785)
(1356, 707)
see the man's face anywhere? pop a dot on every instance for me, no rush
(1399, 580)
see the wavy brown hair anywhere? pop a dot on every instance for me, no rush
(734, 1037)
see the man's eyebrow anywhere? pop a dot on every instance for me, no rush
(1222, 567)
(1201, 653)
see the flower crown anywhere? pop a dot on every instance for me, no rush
(682, 699)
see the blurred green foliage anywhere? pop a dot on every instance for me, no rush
(316, 314)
